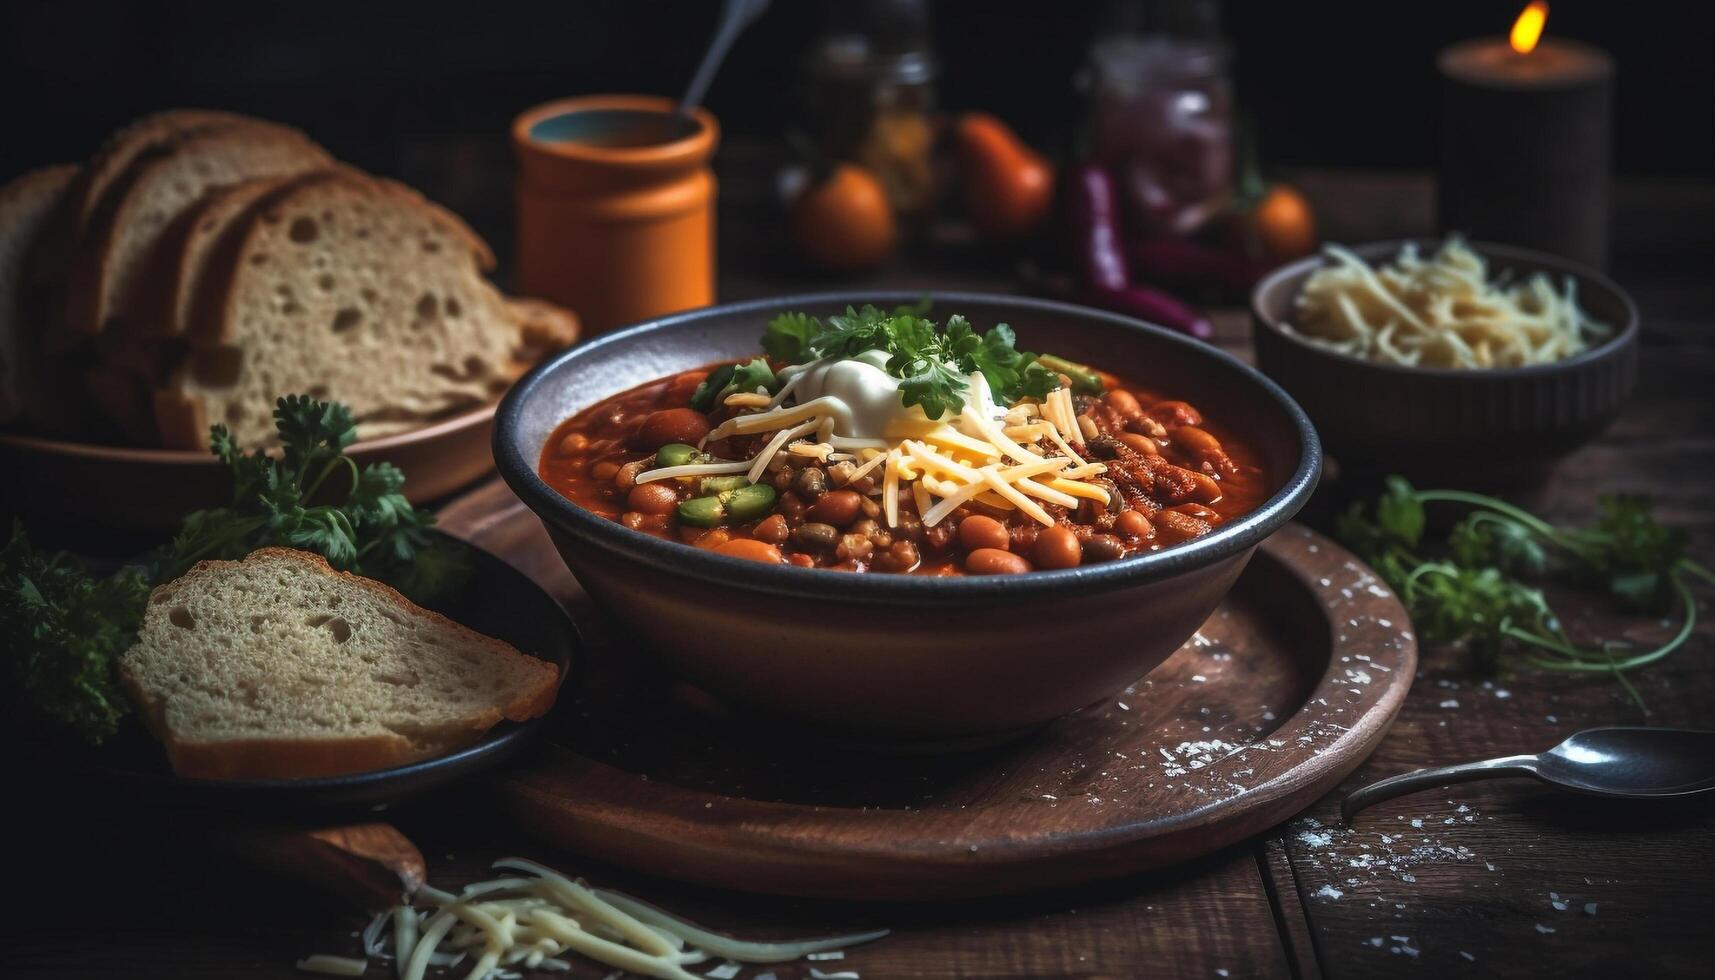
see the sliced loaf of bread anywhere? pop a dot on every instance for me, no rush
(182, 257)
(107, 270)
(343, 286)
(278, 666)
(151, 134)
(25, 207)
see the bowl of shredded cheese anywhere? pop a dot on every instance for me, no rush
(1475, 362)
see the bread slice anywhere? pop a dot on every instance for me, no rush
(150, 134)
(350, 288)
(277, 666)
(106, 270)
(25, 207)
(182, 257)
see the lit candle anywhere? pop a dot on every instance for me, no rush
(1527, 140)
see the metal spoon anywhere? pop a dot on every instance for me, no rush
(736, 15)
(1630, 763)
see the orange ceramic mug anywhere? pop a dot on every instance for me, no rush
(616, 207)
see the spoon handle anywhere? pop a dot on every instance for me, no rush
(1422, 779)
(736, 15)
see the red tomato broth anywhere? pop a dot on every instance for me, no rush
(583, 458)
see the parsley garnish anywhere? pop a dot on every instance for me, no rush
(728, 378)
(933, 363)
(63, 630)
(1479, 595)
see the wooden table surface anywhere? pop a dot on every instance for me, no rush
(1494, 879)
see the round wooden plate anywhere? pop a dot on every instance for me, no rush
(1283, 692)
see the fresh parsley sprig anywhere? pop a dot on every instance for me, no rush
(1479, 595)
(62, 630)
(933, 363)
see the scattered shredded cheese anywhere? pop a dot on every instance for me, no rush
(530, 920)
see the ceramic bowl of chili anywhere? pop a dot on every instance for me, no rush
(1464, 427)
(907, 657)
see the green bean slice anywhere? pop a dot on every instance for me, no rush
(750, 502)
(702, 512)
(721, 484)
(676, 454)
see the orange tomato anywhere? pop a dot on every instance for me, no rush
(1283, 226)
(845, 221)
(1009, 187)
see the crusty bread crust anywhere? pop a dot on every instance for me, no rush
(297, 758)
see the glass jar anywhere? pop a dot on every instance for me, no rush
(869, 91)
(1161, 120)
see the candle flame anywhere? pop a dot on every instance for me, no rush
(1527, 30)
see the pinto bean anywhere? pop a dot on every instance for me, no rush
(1175, 413)
(1182, 526)
(1057, 547)
(652, 498)
(854, 547)
(811, 483)
(901, 556)
(993, 561)
(978, 532)
(573, 443)
(1133, 524)
(1123, 403)
(1142, 445)
(816, 535)
(772, 529)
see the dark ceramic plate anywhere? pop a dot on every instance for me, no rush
(499, 600)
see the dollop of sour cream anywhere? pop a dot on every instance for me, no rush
(873, 408)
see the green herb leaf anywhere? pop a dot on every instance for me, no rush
(789, 336)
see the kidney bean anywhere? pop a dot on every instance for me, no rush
(632, 519)
(1103, 547)
(751, 550)
(801, 560)
(1142, 445)
(978, 532)
(1195, 441)
(1057, 547)
(790, 507)
(652, 498)
(994, 561)
(772, 529)
(685, 425)
(837, 507)
(1208, 490)
(603, 469)
(1133, 524)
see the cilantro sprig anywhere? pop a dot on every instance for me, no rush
(1478, 592)
(932, 362)
(62, 629)
(728, 378)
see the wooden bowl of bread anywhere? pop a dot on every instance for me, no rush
(203, 264)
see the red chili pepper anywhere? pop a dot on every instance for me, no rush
(1095, 228)
(1154, 306)
(1163, 260)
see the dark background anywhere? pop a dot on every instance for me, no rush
(1340, 82)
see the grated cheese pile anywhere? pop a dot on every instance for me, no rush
(1440, 312)
(531, 922)
(1008, 458)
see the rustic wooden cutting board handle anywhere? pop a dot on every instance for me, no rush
(371, 864)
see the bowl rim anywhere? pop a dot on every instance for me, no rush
(677, 560)
(1301, 269)
(468, 419)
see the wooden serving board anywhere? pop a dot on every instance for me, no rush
(1285, 690)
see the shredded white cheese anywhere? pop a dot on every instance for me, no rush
(530, 920)
(1443, 312)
